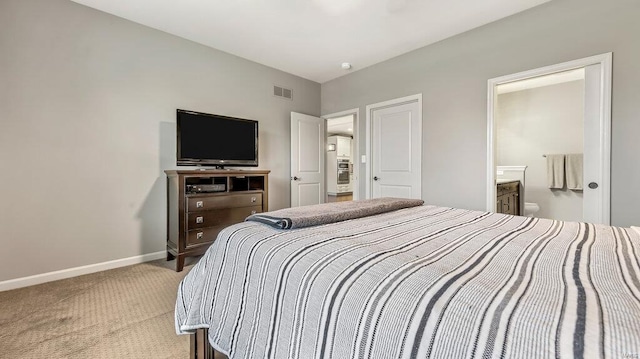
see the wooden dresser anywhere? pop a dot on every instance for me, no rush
(508, 197)
(201, 203)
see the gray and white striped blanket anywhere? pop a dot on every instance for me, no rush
(423, 282)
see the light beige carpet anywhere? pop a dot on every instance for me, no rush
(120, 313)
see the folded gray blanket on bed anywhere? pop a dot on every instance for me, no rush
(314, 215)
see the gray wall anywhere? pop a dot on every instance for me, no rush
(88, 105)
(538, 121)
(452, 76)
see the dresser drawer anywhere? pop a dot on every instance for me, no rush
(218, 217)
(204, 203)
(204, 235)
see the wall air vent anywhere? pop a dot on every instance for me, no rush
(283, 92)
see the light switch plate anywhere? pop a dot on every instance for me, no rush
(363, 159)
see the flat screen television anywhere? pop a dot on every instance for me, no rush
(214, 140)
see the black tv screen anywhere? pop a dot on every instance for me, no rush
(214, 140)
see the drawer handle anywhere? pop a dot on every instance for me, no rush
(199, 235)
(253, 199)
(199, 220)
(253, 212)
(199, 204)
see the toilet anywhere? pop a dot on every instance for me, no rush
(530, 209)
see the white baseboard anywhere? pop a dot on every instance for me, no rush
(77, 271)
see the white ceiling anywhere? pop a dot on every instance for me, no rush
(312, 38)
(340, 126)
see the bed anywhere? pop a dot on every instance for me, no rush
(416, 282)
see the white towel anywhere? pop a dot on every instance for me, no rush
(637, 229)
(555, 171)
(573, 165)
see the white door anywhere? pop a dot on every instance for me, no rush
(307, 160)
(396, 148)
(593, 165)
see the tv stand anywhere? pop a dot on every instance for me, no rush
(195, 217)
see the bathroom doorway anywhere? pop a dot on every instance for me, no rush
(552, 125)
(341, 154)
(536, 118)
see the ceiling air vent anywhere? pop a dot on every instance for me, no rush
(283, 92)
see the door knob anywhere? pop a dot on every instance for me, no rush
(375, 178)
(295, 178)
(593, 185)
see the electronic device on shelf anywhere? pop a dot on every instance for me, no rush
(213, 140)
(206, 188)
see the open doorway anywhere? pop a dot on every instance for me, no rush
(341, 156)
(537, 121)
(549, 142)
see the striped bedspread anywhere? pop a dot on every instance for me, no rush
(422, 282)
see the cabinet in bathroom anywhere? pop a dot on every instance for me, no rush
(508, 198)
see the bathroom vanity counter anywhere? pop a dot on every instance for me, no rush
(506, 180)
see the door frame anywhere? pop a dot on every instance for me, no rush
(605, 61)
(354, 145)
(369, 131)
